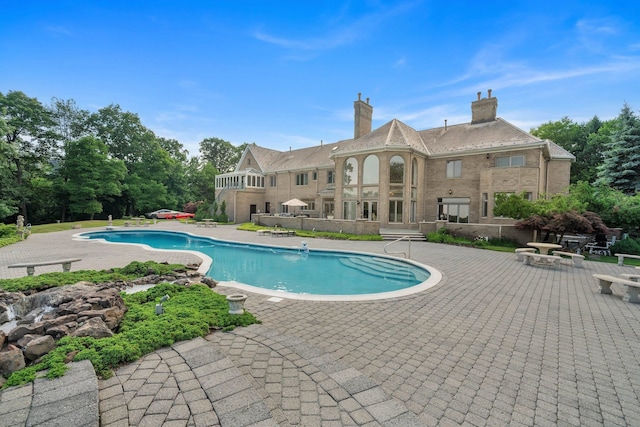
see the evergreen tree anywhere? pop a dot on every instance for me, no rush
(621, 166)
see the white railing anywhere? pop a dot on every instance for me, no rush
(404, 254)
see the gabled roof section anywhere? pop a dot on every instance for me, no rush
(392, 134)
(262, 155)
(467, 137)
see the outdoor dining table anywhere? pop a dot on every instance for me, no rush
(544, 248)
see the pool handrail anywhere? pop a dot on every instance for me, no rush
(404, 254)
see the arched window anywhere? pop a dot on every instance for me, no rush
(371, 170)
(396, 170)
(350, 175)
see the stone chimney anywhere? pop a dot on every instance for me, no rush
(363, 113)
(484, 109)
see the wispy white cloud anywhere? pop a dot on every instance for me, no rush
(339, 33)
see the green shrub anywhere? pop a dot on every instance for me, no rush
(50, 280)
(626, 246)
(7, 230)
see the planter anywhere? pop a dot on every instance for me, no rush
(236, 303)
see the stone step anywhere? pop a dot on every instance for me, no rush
(415, 236)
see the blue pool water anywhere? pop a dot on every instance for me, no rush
(291, 270)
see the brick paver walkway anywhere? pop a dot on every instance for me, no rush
(495, 343)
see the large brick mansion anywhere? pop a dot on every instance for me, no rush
(399, 176)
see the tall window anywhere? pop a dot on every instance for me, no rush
(395, 210)
(485, 204)
(396, 170)
(454, 209)
(454, 168)
(349, 209)
(272, 180)
(414, 172)
(302, 178)
(350, 173)
(331, 177)
(371, 170)
(509, 161)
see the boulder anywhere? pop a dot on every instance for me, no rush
(209, 282)
(39, 346)
(21, 330)
(22, 342)
(11, 360)
(111, 316)
(93, 327)
(3, 338)
(58, 332)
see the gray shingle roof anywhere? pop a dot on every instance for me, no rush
(452, 140)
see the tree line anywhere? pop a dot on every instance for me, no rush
(60, 162)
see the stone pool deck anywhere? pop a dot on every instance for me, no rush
(495, 343)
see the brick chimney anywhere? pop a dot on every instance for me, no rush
(363, 113)
(484, 109)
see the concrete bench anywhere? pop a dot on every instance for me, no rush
(634, 277)
(31, 266)
(605, 281)
(540, 258)
(199, 224)
(263, 232)
(621, 257)
(520, 251)
(576, 258)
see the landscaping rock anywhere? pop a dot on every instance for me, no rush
(209, 282)
(21, 330)
(58, 332)
(94, 327)
(39, 346)
(11, 360)
(3, 338)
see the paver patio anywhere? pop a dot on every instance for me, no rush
(495, 343)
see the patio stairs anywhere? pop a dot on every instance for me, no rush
(414, 235)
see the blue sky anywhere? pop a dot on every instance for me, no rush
(285, 73)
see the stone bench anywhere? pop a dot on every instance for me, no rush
(576, 258)
(634, 277)
(621, 257)
(540, 258)
(520, 251)
(31, 266)
(263, 232)
(605, 281)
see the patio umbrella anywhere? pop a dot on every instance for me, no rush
(295, 203)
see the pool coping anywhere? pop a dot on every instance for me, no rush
(434, 278)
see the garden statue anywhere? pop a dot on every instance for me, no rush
(20, 222)
(110, 220)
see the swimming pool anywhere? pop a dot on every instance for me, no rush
(292, 272)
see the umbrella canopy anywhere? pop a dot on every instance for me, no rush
(295, 203)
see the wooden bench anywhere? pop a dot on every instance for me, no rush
(576, 258)
(31, 266)
(605, 282)
(520, 251)
(540, 258)
(621, 257)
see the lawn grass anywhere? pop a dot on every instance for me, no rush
(249, 226)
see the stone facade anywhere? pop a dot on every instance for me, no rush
(397, 176)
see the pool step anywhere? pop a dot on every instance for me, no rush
(390, 270)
